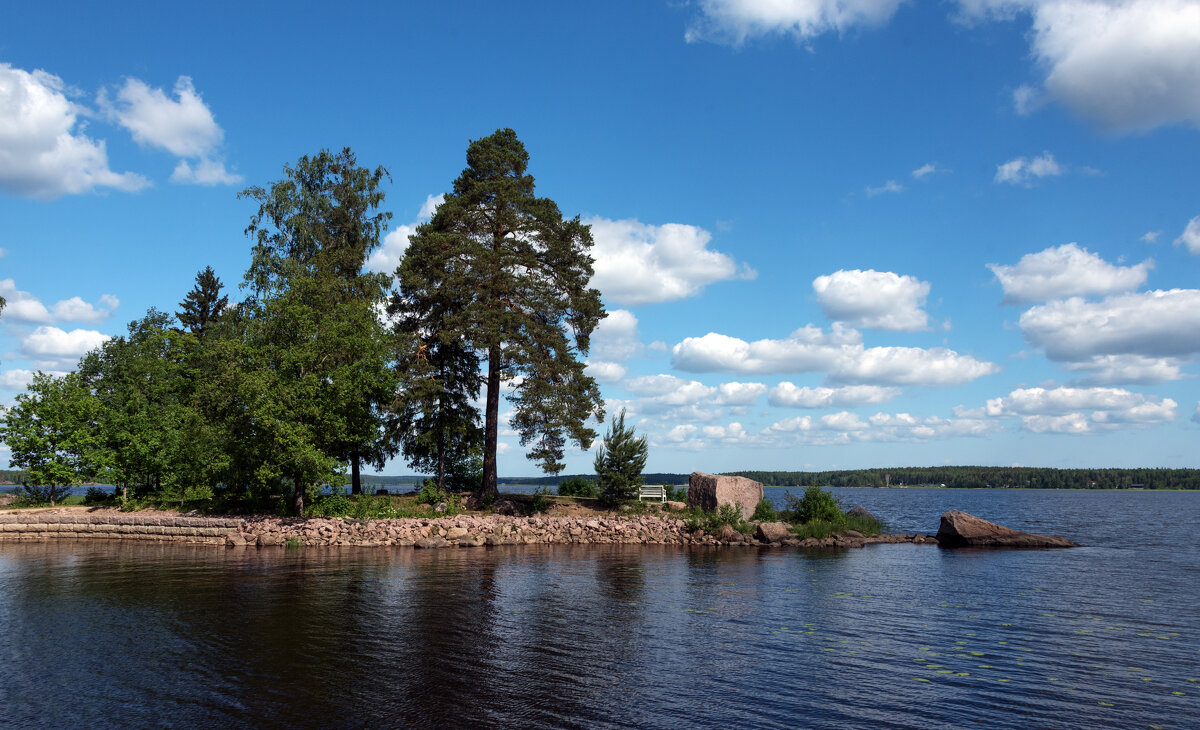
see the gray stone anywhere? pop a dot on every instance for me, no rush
(710, 491)
(861, 512)
(959, 529)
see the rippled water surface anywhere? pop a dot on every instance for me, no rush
(1108, 635)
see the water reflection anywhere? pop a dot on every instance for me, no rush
(126, 634)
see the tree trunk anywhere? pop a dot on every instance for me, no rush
(491, 427)
(297, 498)
(355, 476)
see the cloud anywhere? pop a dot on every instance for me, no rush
(1081, 410)
(387, 257)
(873, 299)
(1196, 413)
(929, 168)
(845, 427)
(838, 353)
(206, 172)
(1151, 236)
(605, 371)
(788, 395)
(1068, 270)
(1128, 369)
(1025, 100)
(43, 152)
(183, 126)
(25, 307)
(15, 379)
(1026, 171)
(1128, 66)
(735, 21)
(616, 337)
(638, 263)
(1191, 236)
(891, 186)
(665, 400)
(1153, 324)
(53, 348)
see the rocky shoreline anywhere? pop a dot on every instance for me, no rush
(441, 532)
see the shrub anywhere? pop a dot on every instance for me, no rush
(577, 487)
(541, 501)
(96, 496)
(816, 504)
(765, 512)
(619, 462)
(676, 493)
(712, 520)
(334, 504)
(430, 494)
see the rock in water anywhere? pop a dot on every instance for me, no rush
(861, 512)
(709, 491)
(959, 529)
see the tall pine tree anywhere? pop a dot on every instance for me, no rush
(515, 275)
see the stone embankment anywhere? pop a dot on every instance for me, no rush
(442, 532)
(52, 524)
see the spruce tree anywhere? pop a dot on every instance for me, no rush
(203, 303)
(513, 275)
(619, 462)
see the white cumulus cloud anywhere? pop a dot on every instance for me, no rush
(183, 126)
(43, 151)
(638, 263)
(54, 348)
(1129, 65)
(1065, 271)
(873, 299)
(1128, 369)
(789, 395)
(25, 307)
(1081, 410)
(839, 354)
(1026, 171)
(1153, 324)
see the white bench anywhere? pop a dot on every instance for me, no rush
(652, 491)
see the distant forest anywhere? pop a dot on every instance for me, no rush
(984, 477)
(957, 477)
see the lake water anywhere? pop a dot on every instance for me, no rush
(906, 636)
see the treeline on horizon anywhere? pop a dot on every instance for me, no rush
(984, 477)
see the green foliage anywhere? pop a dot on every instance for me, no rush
(676, 493)
(503, 273)
(816, 504)
(334, 504)
(203, 303)
(540, 501)
(711, 521)
(431, 494)
(53, 435)
(619, 462)
(96, 497)
(765, 512)
(578, 487)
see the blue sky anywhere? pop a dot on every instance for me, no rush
(830, 235)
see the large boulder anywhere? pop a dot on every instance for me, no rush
(959, 529)
(773, 532)
(709, 491)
